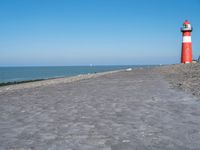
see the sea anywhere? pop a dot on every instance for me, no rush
(23, 74)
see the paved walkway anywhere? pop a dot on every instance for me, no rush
(135, 110)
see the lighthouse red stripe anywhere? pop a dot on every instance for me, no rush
(186, 33)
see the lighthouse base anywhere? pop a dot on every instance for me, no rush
(187, 62)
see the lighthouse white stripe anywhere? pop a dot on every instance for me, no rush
(187, 39)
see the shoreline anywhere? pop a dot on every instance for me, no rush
(20, 82)
(184, 77)
(10, 86)
(16, 85)
(34, 79)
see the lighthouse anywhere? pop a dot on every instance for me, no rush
(186, 54)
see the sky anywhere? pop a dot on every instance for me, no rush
(98, 32)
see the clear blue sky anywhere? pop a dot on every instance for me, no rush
(101, 32)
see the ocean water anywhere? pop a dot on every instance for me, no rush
(19, 74)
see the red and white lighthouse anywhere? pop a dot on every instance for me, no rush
(186, 54)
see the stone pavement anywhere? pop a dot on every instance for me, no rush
(135, 110)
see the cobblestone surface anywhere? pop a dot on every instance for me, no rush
(120, 111)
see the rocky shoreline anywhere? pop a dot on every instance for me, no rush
(185, 77)
(47, 82)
